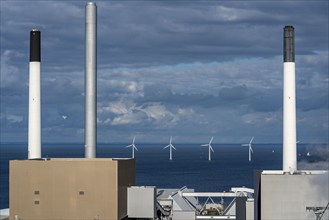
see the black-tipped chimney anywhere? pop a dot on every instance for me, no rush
(289, 44)
(35, 50)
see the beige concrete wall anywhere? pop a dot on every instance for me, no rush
(68, 188)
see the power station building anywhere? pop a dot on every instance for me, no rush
(291, 196)
(77, 188)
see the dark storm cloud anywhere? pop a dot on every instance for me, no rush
(203, 32)
(157, 32)
(314, 102)
(267, 100)
(61, 24)
(183, 65)
(233, 94)
(62, 91)
(151, 32)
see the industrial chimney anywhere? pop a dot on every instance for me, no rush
(289, 101)
(34, 127)
(90, 80)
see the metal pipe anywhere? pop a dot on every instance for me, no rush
(34, 127)
(289, 102)
(90, 80)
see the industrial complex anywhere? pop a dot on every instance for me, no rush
(105, 188)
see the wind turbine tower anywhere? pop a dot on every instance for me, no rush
(133, 148)
(250, 148)
(170, 148)
(209, 148)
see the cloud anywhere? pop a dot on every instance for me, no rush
(261, 118)
(129, 118)
(117, 108)
(10, 74)
(318, 101)
(233, 93)
(128, 113)
(163, 67)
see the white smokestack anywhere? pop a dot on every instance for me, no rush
(289, 102)
(34, 132)
(90, 80)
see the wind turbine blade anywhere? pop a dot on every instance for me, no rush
(134, 139)
(204, 145)
(211, 148)
(135, 148)
(251, 149)
(170, 139)
(245, 145)
(128, 146)
(173, 147)
(211, 140)
(251, 140)
(166, 146)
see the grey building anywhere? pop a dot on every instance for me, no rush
(295, 196)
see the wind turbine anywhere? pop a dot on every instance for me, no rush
(209, 147)
(250, 149)
(170, 148)
(133, 147)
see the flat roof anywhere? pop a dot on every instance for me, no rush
(77, 159)
(298, 172)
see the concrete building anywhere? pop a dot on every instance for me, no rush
(78, 188)
(283, 196)
(142, 202)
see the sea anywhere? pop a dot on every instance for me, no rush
(190, 167)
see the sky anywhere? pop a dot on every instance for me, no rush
(187, 69)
